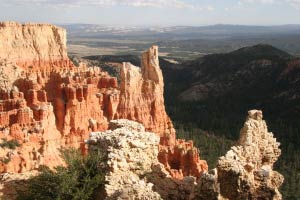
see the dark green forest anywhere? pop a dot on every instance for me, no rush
(214, 122)
(259, 77)
(214, 126)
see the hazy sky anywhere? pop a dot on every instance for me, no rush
(153, 12)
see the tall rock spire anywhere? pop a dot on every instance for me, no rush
(246, 171)
(48, 103)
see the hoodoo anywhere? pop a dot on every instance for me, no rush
(48, 103)
(246, 171)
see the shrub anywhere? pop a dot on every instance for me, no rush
(79, 180)
(5, 160)
(10, 144)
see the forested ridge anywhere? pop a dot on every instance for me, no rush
(208, 99)
(214, 122)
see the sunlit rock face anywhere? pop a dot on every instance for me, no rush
(131, 153)
(246, 171)
(133, 168)
(48, 103)
(33, 45)
(141, 96)
(250, 164)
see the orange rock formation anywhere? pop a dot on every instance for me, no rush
(47, 103)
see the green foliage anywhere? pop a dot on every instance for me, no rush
(79, 180)
(211, 147)
(10, 144)
(112, 71)
(5, 160)
(224, 120)
(224, 117)
(75, 60)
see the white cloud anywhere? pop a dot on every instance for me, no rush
(243, 2)
(209, 8)
(180, 4)
(294, 3)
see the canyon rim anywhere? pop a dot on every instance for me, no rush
(48, 103)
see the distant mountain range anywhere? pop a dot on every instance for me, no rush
(260, 69)
(182, 42)
(182, 32)
(215, 91)
(259, 76)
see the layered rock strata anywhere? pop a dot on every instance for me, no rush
(145, 85)
(47, 103)
(33, 46)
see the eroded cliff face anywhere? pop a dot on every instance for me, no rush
(145, 85)
(33, 45)
(141, 97)
(48, 103)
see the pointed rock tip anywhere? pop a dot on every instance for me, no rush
(255, 114)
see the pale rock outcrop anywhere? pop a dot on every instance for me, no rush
(169, 187)
(250, 165)
(9, 72)
(246, 171)
(11, 184)
(134, 171)
(131, 152)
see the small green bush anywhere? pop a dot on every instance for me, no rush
(10, 144)
(79, 180)
(5, 160)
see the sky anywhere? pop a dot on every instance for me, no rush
(153, 12)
